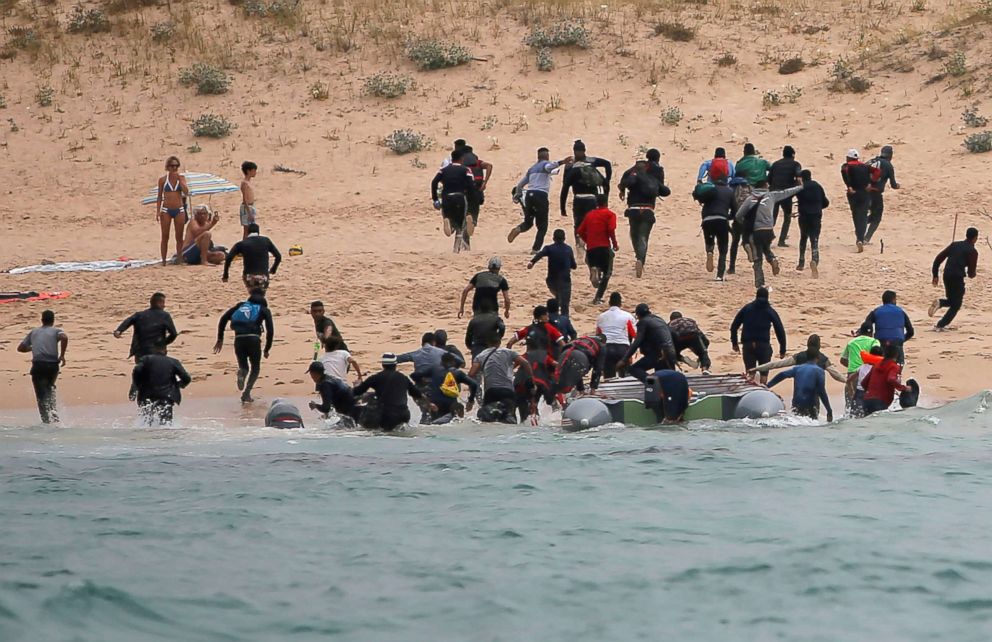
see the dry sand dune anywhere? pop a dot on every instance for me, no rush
(75, 170)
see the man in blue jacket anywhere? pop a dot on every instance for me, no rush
(891, 324)
(756, 319)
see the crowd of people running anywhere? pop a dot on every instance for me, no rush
(740, 206)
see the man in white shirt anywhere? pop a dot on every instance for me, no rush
(619, 327)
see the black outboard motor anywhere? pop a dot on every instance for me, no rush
(653, 398)
(909, 398)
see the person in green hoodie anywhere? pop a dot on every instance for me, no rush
(752, 167)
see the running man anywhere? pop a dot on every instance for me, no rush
(561, 321)
(324, 326)
(541, 331)
(452, 192)
(808, 390)
(618, 326)
(857, 178)
(156, 384)
(759, 208)
(886, 174)
(962, 259)
(255, 251)
(561, 262)
(47, 345)
(598, 232)
(752, 167)
(642, 185)
(481, 173)
(338, 361)
(812, 354)
(171, 207)
(718, 212)
(755, 321)
(531, 192)
(428, 356)
(783, 174)
(811, 202)
(654, 340)
(151, 326)
(246, 320)
(248, 213)
(587, 183)
(716, 168)
(486, 285)
(199, 248)
(890, 324)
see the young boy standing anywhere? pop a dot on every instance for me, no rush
(248, 213)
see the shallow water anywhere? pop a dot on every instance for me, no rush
(871, 530)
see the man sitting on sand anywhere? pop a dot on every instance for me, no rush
(200, 248)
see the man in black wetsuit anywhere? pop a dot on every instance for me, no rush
(151, 326)
(654, 340)
(757, 319)
(485, 328)
(392, 388)
(962, 260)
(578, 358)
(254, 251)
(334, 394)
(246, 320)
(586, 183)
(857, 178)
(886, 174)
(642, 185)
(452, 190)
(156, 382)
(781, 176)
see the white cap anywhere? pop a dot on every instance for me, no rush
(388, 359)
(853, 153)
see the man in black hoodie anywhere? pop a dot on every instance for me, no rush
(247, 319)
(757, 319)
(254, 251)
(586, 183)
(151, 326)
(782, 175)
(654, 340)
(886, 174)
(642, 184)
(156, 382)
(811, 201)
(718, 211)
(962, 259)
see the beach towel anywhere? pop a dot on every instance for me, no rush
(11, 297)
(85, 266)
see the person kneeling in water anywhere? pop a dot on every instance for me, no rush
(334, 394)
(157, 380)
(808, 390)
(442, 385)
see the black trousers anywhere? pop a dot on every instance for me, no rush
(859, 203)
(536, 212)
(581, 207)
(786, 207)
(871, 406)
(875, 210)
(248, 350)
(737, 238)
(698, 345)
(561, 289)
(641, 221)
(755, 353)
(43, 376)
(571, 373)
(475, 199)
(761, 249)
(809, 231)
(615, 352)
(717, 233)
(647, 364)
(953, 298)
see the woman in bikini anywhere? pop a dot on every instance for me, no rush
(170, 208)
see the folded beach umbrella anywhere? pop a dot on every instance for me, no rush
(199, 185)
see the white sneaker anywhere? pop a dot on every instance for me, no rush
(719, 278)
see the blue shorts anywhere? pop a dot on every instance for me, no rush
(191, 255)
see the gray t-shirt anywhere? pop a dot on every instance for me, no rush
(44, 343)
(497, 370)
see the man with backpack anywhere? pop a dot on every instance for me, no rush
(481, 173)
(454, 197)
(811, 203)
(586, 182)
(857, 177)
(752, 167)
(642, 184)
(757, 212)
(531, 191)
(543, 330)
(577, 359)
(442, 382)
(687, 335)
(718, 212)
(716, 168)
(783, 174)
(882, 172)
(247, 319)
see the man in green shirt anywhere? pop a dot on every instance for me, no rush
(851, 358)
(752, 167)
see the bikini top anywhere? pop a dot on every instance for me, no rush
(169, 187)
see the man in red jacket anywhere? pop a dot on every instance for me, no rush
(882, 381)
(599, 232)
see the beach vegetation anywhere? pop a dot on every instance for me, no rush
(979, 143)
(676, 31)
(406, 141)
(385, 84)
(83, 20)
(564, 33)
(973, 119)
(207, 79)
(211, 126)
(671, 115)
(44, 96)
(428, 53)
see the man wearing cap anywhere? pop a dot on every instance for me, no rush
(886, 174)
(283, 415)
(334, 394)
(857, 178)
(582, 176)
(783, 174)
(392, 390)
(486, 285)
(531, 191)
(654, 340)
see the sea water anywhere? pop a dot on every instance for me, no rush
(878, 529)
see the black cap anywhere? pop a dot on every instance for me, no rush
(316, 366)
(642, 310)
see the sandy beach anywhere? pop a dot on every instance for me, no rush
(373, 251)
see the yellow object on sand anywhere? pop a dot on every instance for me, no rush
(296, 250)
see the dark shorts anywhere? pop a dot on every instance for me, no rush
(599, 257)
(755, 354)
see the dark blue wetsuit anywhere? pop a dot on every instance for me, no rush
(674, 393)
(809, 389)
